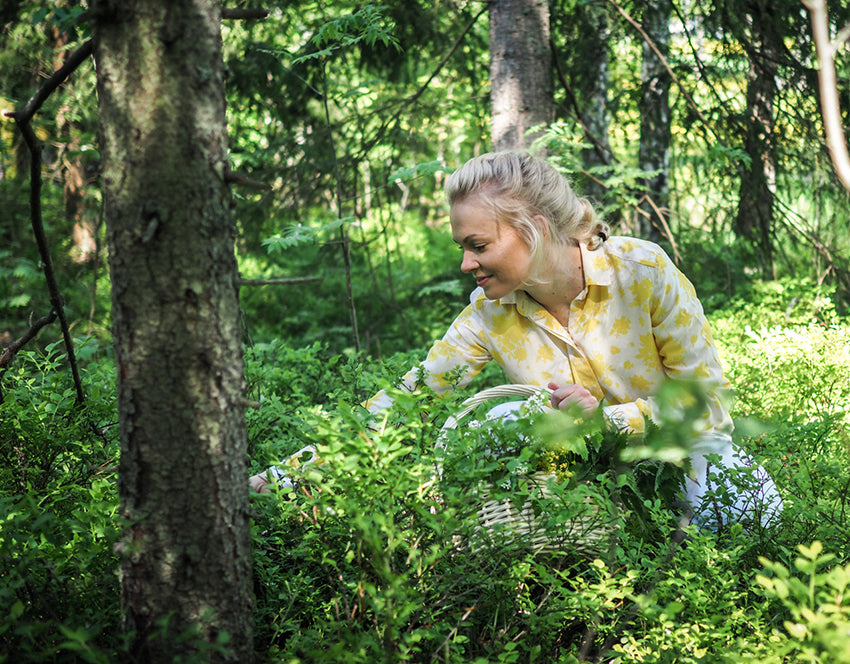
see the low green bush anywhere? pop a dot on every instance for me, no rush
(59, 598)
(378, 555)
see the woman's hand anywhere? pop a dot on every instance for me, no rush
(566, 395)
(260, 483)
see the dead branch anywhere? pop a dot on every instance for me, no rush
(12, 349)
(637, 26)
(232, 177)
(22, 120)
(277, 282)
(243, 14)
(74, 60)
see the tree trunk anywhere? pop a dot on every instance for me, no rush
(186, 568)
(595, 116)
(655, 134)
(754, 220)
(520, 71)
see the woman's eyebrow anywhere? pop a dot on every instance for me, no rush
(467, 239)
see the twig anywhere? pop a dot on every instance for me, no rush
(277, 282)
(11, 350)
(412, 98)
(830, 107)
(666, 228)
(243, 14)
(243, 180)
(44, 250)
(343, 235)
(637, 26)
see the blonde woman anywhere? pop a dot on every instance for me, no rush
(601, 321)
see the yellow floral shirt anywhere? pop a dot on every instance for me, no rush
(637, 323)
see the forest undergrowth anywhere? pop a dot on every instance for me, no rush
(378, 554)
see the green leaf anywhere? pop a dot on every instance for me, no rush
(419, 170)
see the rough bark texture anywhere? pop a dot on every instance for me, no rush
(655, 132)
(520, 71)
(186, 570)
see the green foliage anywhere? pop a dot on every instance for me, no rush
(377, 554)
(815, 599)
(58, 512)
(787, 351)
(367, 561)
(391, 565)
(378, 541)
(367, 24)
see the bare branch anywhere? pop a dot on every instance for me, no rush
(243, 14)
(637, 26)
(12, 349)
(243, 180)
(22, 119)
(836, 142)
(277, 282)
(74, 60)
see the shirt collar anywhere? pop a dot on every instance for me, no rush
(597, 266)
(597, 272)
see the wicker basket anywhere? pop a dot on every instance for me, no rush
(588, 533)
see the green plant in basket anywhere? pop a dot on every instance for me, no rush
(513, 485)
(557, 477)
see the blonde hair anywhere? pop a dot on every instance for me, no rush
(518, 186)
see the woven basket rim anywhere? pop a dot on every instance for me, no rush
(507, 390)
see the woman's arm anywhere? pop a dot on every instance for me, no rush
(682, 338)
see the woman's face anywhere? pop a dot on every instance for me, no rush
(493, 252)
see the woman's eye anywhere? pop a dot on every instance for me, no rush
(478, 248)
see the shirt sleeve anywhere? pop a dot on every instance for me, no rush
(453, 361)
(682, 339)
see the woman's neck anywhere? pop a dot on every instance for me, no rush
(565, 280)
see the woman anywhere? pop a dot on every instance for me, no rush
(602, 321)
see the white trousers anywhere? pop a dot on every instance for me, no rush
(720, 491)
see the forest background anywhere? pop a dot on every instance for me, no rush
(697, 125)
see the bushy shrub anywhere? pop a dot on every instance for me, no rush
(378, 553)
(58, 513)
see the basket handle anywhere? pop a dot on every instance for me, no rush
(509, 390)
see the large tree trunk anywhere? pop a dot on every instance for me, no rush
(754, 220)
(655, 133)
(186, 569)
(520, 71)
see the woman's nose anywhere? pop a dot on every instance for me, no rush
(468, 263)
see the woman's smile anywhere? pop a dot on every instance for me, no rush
(493, 252)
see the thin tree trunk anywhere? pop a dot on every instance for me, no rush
(757, 194)
(595, 117)
(186, 569)
(655, 133)
(520, 71)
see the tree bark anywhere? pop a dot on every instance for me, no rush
(757, 194)
(186, 567)
(520, 71)
(655, 133)
(595, 116)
